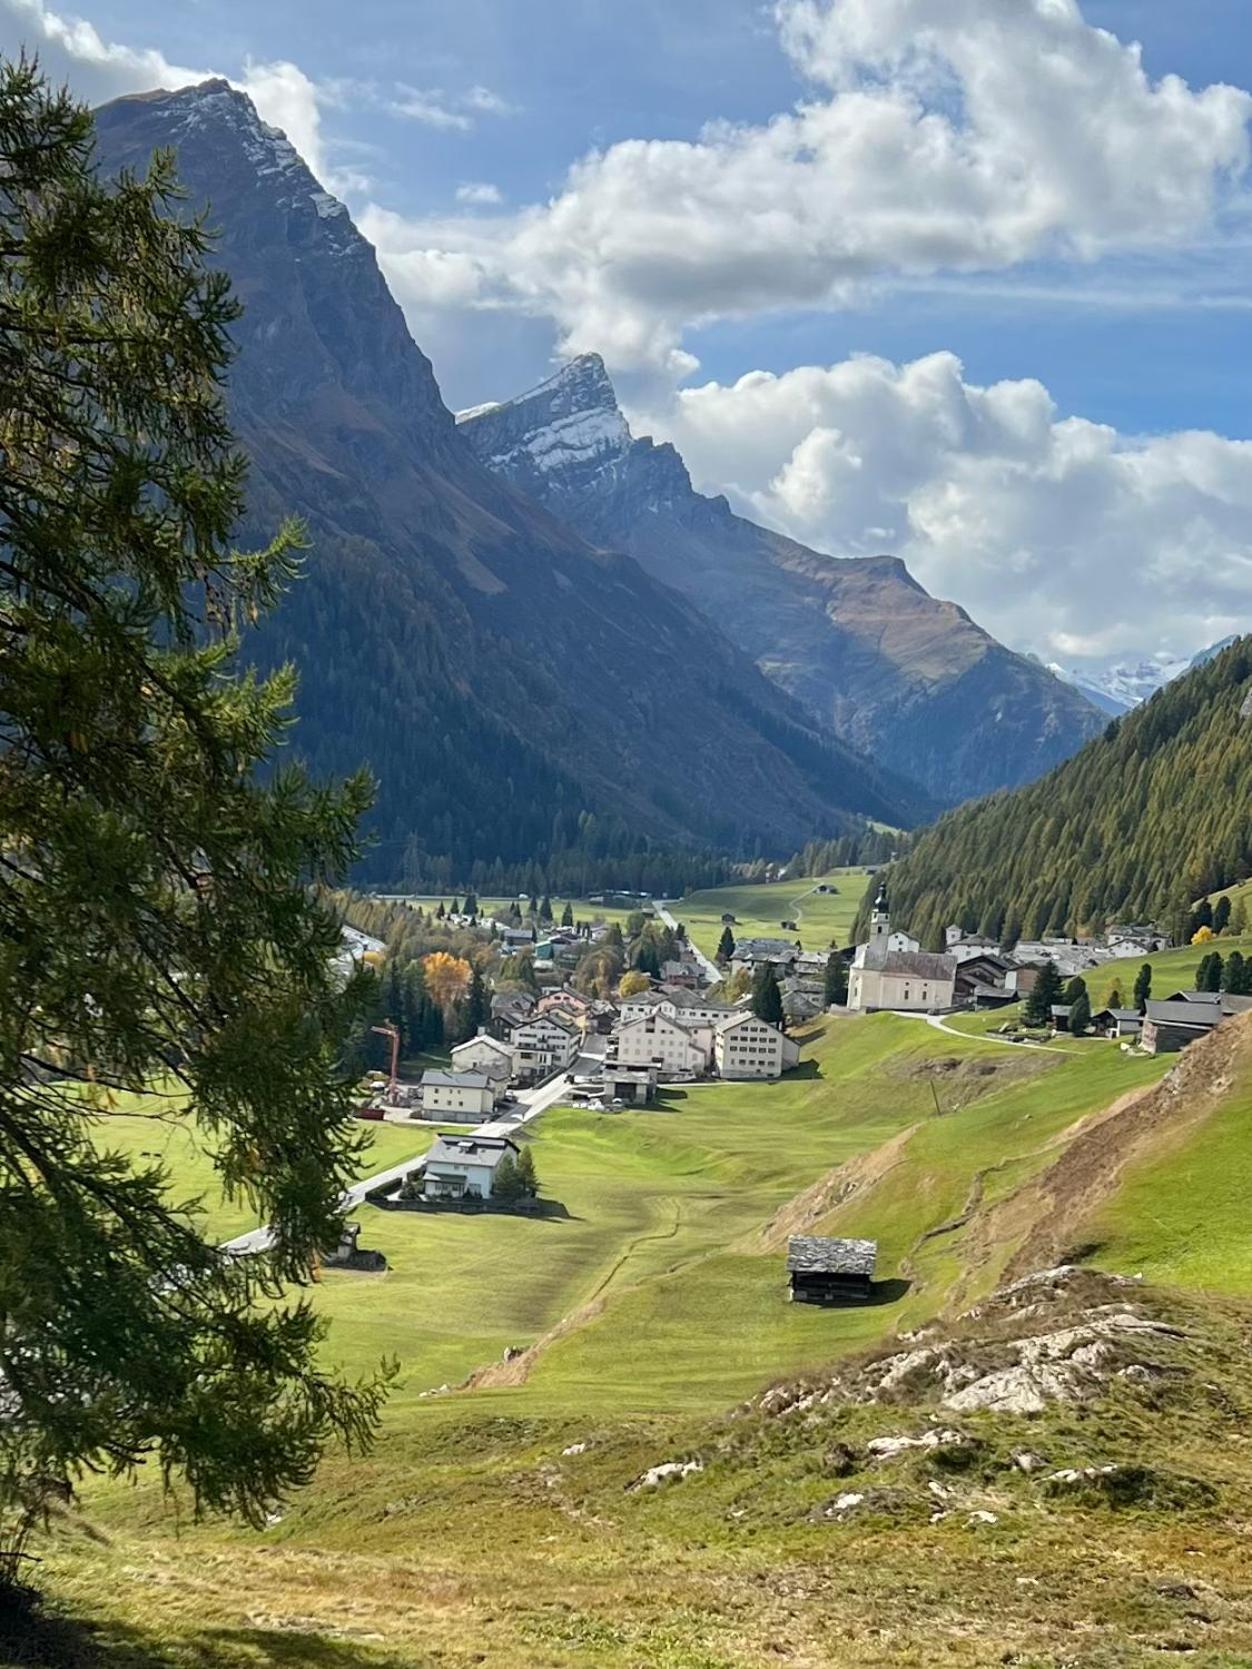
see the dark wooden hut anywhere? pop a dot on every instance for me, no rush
(825, 1271)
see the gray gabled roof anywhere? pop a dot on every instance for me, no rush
(811, 1254)
(455, 1080)
(1199, 1015)
(470, 1150)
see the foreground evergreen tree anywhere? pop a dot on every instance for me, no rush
(767, 1003)
(835, 986)
(1080, 1013)
(1143, 987)
(1045, 992)
(1209, 974)
(526, 1171)
(725, 946)
(156, 898)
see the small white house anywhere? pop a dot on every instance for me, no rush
(465, 1096)
(485, 1054)
(746, 1047)
(464, 1167)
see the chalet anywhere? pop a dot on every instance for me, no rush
(670, 1044)
(745, 1048)
(485, 1054)
(675, 1003)
(1118, 1022)
(825, 1271)
(884, 977)
(963, 947)
(986, 969)
(679, 973)
(544, 1044)
(802, 1000)
(464, 1096)
(983, 997)
(1060, 1016)
(509, 1009)
(572, 1001)
(464, 1167)
(752, 953)
(1174, 1024)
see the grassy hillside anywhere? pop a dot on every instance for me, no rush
(759, 910)
(1147, 817)
(655, 1304)
(175, 1142)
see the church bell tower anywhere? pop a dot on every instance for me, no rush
(880, 920)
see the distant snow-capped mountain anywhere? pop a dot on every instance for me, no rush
(1120, 686)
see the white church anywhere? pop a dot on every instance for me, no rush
(893, 971)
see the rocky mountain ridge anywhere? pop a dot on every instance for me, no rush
(506, 681)
(900, 675)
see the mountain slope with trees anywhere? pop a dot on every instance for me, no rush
(516, 692)
(1148, 817)
(903, 676)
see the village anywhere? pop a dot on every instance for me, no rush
(682, 1018)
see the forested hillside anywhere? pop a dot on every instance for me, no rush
(1147, 818)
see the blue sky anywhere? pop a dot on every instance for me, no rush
(451, 126)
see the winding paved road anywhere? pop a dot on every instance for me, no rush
(712, 973)
(937, 1021)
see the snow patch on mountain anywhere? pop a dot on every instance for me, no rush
(1117, 687)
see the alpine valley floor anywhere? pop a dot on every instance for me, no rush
(499, 1525)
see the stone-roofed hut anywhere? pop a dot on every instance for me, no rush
(821, 1270)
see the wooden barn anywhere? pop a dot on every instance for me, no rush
(825, 1271)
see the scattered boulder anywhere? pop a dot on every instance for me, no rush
(1026, 1460)
(887, 1448)
(675, 1469)
(575, 1449)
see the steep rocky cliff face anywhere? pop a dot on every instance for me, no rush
(897, 673)
(502, 677)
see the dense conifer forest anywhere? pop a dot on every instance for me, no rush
(1150, 816)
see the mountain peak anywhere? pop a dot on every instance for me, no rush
(567, 425)
(215, 112)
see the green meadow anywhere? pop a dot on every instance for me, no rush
(653, 1296)
(158, 1130)
(759, 910)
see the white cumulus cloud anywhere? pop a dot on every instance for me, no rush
(72, 50)
(1004, 131)
(1056, 533)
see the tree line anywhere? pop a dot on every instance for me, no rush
(1145, 819)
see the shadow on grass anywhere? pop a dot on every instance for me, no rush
(806, 1069)
(32, 1637)
(888, 1292)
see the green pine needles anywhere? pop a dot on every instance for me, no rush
(159, 916)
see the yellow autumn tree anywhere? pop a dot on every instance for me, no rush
(633, 983)
(1202, 936)
(447, 978)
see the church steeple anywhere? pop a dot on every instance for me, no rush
(880, 920)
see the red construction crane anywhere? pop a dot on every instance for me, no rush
(388, 1029)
